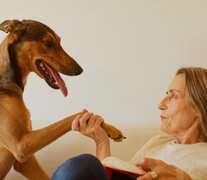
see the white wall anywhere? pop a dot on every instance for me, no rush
(129, 50)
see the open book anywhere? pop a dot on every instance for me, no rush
(116, 164)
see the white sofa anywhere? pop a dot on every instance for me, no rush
(74, 143)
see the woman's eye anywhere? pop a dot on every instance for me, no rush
(173, 96)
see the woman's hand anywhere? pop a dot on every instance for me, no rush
(89, 125)
(162, 170)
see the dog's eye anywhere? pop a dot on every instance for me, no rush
(48, 43)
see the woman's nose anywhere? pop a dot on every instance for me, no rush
(162, 105)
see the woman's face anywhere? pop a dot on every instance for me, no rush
(177, 115)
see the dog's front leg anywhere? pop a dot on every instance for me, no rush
(36, 140)
(31, 169)
(6, 162)
(22, 147)
(32, 141)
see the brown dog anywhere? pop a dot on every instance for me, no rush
(31, 47)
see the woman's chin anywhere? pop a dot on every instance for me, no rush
(164, 128)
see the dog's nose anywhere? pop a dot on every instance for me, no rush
(78, 70)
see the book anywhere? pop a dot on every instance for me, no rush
(112, 164)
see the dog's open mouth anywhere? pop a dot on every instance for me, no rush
(51, 76)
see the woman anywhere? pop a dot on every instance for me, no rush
(180, 154)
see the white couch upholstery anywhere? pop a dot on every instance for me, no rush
(74, 143)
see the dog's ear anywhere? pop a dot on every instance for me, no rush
(12, 26)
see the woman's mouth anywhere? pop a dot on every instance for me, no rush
(162, 118)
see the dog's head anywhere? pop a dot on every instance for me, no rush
(34, 47)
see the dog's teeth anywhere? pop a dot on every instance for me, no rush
(41, 65)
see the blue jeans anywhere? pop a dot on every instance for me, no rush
(85, 167)
(82, 167)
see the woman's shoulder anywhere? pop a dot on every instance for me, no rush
(156, 141)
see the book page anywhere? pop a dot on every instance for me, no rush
(119, 164)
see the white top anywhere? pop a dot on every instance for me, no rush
(192, 158)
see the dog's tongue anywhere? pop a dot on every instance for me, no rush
(59, 80)
(60, 83)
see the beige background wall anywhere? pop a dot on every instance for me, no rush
(129, 49)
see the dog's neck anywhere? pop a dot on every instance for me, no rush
(8, 64)
(6, 72)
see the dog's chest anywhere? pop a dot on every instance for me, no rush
(13, 113)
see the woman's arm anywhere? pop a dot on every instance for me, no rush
(103, 149)
(90, 125)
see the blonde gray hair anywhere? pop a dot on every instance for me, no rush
(196, 91)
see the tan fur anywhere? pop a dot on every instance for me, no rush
(18, 142)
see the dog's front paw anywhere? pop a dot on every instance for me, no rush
(113, 132)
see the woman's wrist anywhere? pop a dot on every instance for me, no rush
(103, 149)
